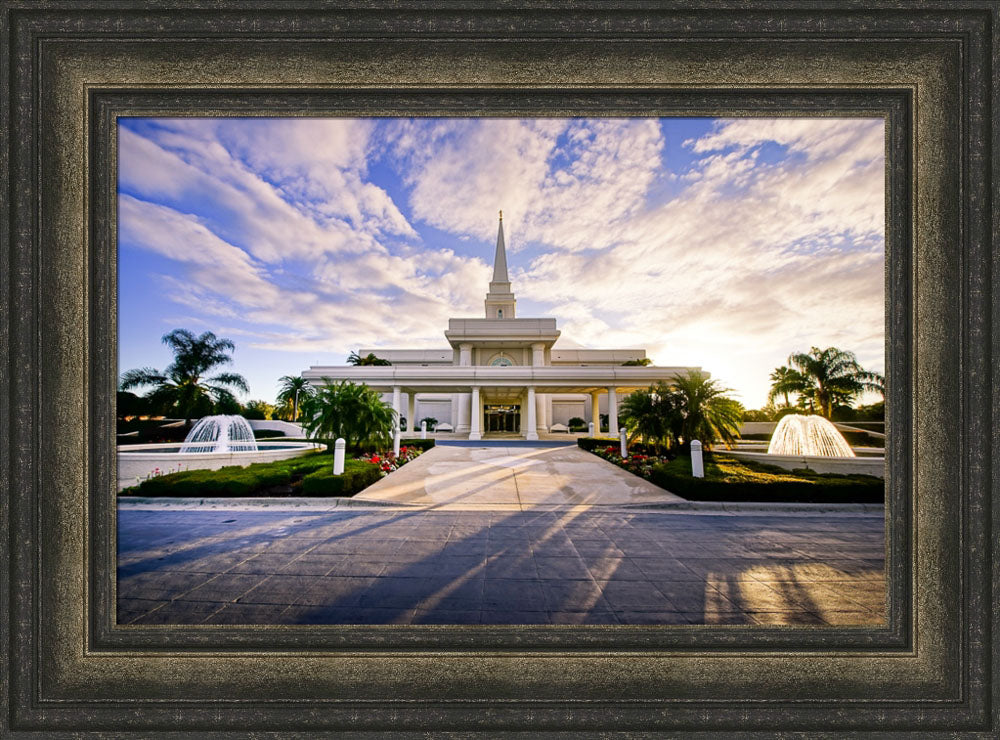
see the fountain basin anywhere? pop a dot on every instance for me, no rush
(137, 462)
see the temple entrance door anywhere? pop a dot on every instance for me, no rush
(501, 419)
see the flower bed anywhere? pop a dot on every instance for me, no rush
(388, 462)
(637, 464)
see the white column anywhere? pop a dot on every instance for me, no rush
(541, 406)
(474, 415)
(612, 411)
(538, 354)
(532, 419)
(395, 405)
(541, 400)
(411, 411)
(453, 418)
(595, 411)
(462, 421)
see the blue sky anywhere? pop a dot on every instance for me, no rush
(722, 243)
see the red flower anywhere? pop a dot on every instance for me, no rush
(374, 459)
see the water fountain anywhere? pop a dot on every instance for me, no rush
(812, 442)
(214, 442)
(808, 435)
(220, 434)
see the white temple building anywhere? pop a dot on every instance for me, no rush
(502, 375)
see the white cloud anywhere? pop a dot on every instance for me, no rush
(286, 230)
(559, 182)
(750, 262)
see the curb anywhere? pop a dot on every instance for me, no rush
(319, 504)
(767, 507)
(322, 504)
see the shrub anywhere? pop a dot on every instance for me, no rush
(254, 480)
(576, 421)
(727, 479)
(357, 476)
(421, 444)
(591, 443)
(279, 478)
(152, 431)
(267, 433)
(230, 481)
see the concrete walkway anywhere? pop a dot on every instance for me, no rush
(513, 478)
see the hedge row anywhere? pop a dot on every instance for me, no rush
(278, 478)
(267, 433)
(592, 443)
(727, 479)
(357, 476)
(636, 448)
(421, 444)
(230, 481)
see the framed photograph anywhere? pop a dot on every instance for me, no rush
(519, 506)
(112, 114)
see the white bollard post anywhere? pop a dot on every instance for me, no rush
(423, 430)
(338, 456)
(697, 464)
(395, 443)
(624, 439)
(590, 429)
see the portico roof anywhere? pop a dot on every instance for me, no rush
(462, 378)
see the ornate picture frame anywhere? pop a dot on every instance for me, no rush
(71, 69)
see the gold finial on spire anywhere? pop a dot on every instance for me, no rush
(501, 215)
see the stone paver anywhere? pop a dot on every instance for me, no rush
(427, 566)
(515, 477)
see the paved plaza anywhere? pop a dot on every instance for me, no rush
(524, 565)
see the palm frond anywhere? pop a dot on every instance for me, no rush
(139, 377)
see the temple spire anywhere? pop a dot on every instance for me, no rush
(500, 259)
(500, 301)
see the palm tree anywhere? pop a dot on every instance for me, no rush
(785, 380)
(182, 387)
(258, 409)
(292, 387)
(352, 411)
(832, 377)
(705, 412)
(649, 415)
(370, 359)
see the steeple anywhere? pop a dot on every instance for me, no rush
(500, 259)
(500, 302)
